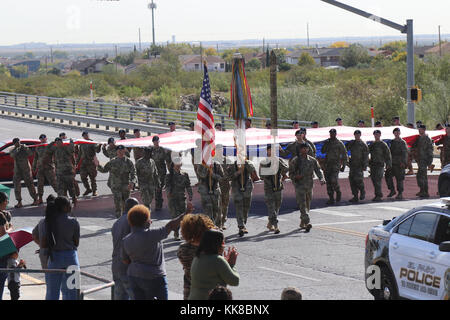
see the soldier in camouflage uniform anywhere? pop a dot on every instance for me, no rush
(162, 158)
(445, 149)
(291, 149)
(379, 156)
(63, 137)
(359, 160)
(273, 176)
(87, 156)
(45, 166)
(209, 189)
(148, 178)
(225, 186)
(423, 149)
(138, 153)
(110, 149)
(65, 169)
(336, 159)
(177, 184)
(242, 177)
(301, 171)
(399, 154)
(122, 178)
(22, 171)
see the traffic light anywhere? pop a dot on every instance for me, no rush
(416, 94)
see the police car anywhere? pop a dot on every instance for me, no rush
(411, 255)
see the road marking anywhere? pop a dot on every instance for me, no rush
(290, 274)
(265, 218)
(393, 209)
(32, 279)
(344, 231)
(93, 228)
(346, 222)
(334, 213)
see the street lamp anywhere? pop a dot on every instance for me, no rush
(152, 6)
(408, 29)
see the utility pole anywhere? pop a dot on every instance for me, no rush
(140, 46)
(440, 44)
(273, 90)
(408, 29)
(307, 33)
(264, 40)
(152, 6)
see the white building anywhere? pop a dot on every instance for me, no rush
(194, 63)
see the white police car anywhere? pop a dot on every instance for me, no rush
(412, 254)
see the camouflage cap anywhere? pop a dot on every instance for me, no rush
(422, 126)
(155, 138)
(120, 147)
(42, 136)
(85, 133)
(332, 130)
(110, 140)
(357, 132)
(377, 131)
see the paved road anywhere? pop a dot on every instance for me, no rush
(326, 263)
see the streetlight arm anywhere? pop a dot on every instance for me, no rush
(368, 15)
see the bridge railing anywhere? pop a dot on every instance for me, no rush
(125, 114)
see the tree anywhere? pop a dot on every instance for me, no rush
(4, 71)
(125, 59)
(394, 46)
(340, 44)
(210, 52)
(57, 54)
(29, 55)
(354, 55)
(306, 60)
(254, 64)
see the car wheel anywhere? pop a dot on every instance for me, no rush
(388, 290)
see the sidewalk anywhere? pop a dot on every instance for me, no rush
(30, 289)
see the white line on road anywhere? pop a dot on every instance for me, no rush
(393, 209)
(347, 222)
(290, 274)
(334, 213)
(265, 218)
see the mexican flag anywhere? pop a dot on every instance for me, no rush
(13, 241)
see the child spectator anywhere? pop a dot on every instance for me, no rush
(14, 277)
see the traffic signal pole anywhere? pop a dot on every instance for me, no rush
(408, 29)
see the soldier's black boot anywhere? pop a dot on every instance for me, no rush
(241, 231)
(392, 193)
(87, 192)
(338, 196)
(362, 196)
(399, 196)
(354, 199)
(331, 200)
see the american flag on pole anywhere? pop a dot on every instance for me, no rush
(205, 121)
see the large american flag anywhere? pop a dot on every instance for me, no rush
(205, 121)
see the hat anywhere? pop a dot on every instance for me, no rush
(332, 131)
(338, 119)
(396, 129)
(62, 134)
(136, 130)
(357, 132)
(155, 138)
(377, 131)
(110, 140)
(16, 140)
(121, 130)
(361, 121)
(120, 147)
(171, 123)
(422, 126)
(84, 133)
(42, 136)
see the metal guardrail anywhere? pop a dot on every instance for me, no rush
(113, 115)
(80, 293)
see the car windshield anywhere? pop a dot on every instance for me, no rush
(394, 220)
(2, 144)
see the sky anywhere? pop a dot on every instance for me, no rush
(118, 21)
